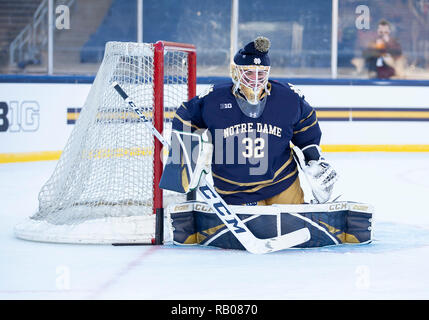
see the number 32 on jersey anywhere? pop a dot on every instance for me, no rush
(254, 147)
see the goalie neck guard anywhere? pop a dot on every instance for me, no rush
(250, 70)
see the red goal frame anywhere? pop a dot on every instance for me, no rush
(158, 116)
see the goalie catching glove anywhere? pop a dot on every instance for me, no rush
(319, 173)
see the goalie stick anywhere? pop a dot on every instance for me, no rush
(235, 225)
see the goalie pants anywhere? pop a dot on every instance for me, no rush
(292, 195)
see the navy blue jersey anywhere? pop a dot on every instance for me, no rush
(252, 158)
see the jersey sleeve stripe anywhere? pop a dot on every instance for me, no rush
(311, 113)
(186, 123)
(306, 128)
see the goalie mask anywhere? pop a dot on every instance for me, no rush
(250, 70)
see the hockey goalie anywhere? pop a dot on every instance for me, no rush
(253, 135)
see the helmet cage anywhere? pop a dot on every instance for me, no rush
(252, 80)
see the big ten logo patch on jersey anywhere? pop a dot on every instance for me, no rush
(16, 117)
(225, 106)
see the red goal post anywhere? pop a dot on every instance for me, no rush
(159, 55)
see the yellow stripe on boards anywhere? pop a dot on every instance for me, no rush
(55, 155)
(72, 115)
(391, 114)
(333, 114)
(356, 114)
(375, 148)
(120, 115)
(29, 156)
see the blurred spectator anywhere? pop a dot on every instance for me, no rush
(383, 56)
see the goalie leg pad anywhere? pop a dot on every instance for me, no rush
(194, 222)
(329, 224)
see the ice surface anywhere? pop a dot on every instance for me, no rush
(394, 266)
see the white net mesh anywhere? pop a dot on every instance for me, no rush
(102, 188)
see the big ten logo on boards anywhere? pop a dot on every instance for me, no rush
(19, 117)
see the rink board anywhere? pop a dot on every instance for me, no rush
(36, 119)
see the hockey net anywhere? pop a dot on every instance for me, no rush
(104, 188)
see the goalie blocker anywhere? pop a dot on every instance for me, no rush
(194, 223)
